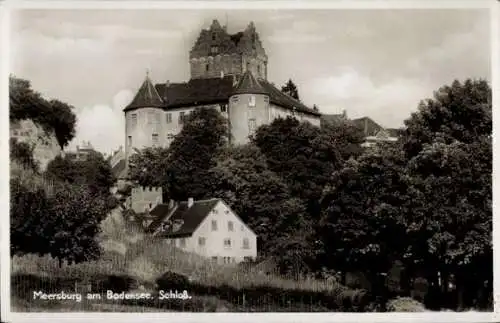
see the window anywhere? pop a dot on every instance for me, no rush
(251, 101)
(214, 258)
(230, 226)
(214, 49)
(251, 125)
(170, 136)
(258, 69)
(183, 242)
(214, 225)
(201, 241)
(129, 140)
(169, 117)
(235, 99)
(151, 117)
(133, 120)
(206, 67)
(223, 107)
(213, 36)
(181, 117)
(154, 138)
(227, 243)
(228, 260)
(246, 243)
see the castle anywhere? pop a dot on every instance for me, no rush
(228, 73)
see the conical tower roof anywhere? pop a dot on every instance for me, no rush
(248, 84)
(146, 96)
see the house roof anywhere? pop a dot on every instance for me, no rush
(146, 96)
(218, 90)
(248, 84)
(333, 119)
(369, 127)
(189, 218)
(119, 169)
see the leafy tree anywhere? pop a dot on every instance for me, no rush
(94, 172)
(149, 166)
(303, 155)
(346, 137)
(460, 112)
(291, 89)
(54, 115)
(57, 219)
(365, 204)
(193, 151)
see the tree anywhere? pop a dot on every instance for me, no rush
(346, 137)
(54, 115)
(54, 218)
(303, 155)
(364, 210)
(460, 112)
(192, 153)
(149, 166)
(291, 89)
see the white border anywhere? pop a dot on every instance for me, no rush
(6, 315)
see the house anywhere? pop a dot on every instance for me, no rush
(373, 132)
(208, 228)
(229, 74)
(82, 152)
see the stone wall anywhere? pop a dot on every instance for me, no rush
(45, 144)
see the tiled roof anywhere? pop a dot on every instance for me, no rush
(279, 98)
(146, 96)
(196, 92)
(395, 132)
(119, 169)
(333, 119)
(248, 84)
(367, 125)
(190, 218)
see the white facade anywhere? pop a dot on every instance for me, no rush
(222, 237)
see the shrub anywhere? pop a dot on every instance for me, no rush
(172, 280)
(405, 304)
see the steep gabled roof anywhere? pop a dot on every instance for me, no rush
(146, 96)
(367, 125)
(190, 218)
(248, 84)
(279, 98)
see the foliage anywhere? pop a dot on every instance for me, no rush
(22, 153)
(303, 155)
(404, 304)
(55, 218)
(54, 115)
(94, 172)
(149, 167)
(291, 89)
(346, 137)
(460, 112)
(193, 151)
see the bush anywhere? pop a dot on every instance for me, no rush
(405, 304)
(172, 280)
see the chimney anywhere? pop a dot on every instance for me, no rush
(221, 74)
(190, 202)
(344, 113)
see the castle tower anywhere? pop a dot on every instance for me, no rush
(248, 108)
(144, 120)
(217, 53)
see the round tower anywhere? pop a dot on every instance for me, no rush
(144, 120)
(248, 108)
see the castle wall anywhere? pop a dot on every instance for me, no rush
(245, 117)
(212, 66)
(145, 198)
(144, 127)
(46, 146)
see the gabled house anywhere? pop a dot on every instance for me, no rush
(208, 228)
(373, 132)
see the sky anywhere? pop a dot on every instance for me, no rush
(376, 63)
